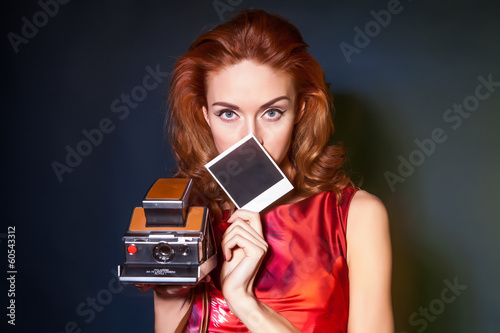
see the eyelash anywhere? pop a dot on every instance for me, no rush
(221, 112)
(279, 111)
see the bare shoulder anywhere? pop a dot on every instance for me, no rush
(370, 265)
(362, 198)
(366, 208)
(367, 222)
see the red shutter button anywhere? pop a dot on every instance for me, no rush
(132, 249)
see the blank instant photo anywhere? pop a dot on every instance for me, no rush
(248, 175)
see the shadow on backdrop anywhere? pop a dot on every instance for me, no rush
(416, 268)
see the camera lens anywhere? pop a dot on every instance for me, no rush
(165, 249)
(163, 252)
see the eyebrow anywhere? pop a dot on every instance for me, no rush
(235, 107)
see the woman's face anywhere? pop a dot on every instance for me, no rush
(251, 98)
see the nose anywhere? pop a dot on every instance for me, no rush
(254, 128)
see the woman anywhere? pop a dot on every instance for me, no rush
(319, 259)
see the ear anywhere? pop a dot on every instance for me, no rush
(205, 114)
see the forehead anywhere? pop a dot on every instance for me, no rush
(248, 81)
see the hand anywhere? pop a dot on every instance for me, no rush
(244, 248)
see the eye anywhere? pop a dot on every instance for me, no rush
(227, 115)
(273, 114)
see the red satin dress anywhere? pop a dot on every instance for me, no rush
(304, 276)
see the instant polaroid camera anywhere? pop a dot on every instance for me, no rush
(168, 242)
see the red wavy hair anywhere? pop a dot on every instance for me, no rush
(266, 39)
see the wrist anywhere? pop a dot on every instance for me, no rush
(257, 316)
(241, 302)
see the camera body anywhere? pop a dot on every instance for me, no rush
(167, 241)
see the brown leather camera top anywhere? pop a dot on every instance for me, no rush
(168, 189)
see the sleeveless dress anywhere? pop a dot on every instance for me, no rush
(304, 276)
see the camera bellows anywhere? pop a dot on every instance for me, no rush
(166, 202)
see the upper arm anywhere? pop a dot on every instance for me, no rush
(370, 263)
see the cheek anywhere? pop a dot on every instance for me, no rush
(221, 143)
(223, 138)
(279, 143)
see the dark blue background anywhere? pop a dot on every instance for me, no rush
(444, 216)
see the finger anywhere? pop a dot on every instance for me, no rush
(252, 218)
(243, 224)
(142, 287)
(243, 229)
(244, 214)
(251, 248)
(240, 227)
